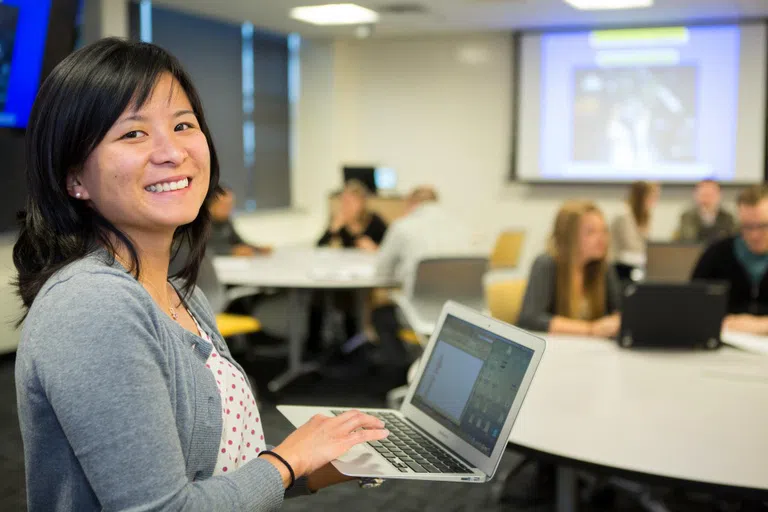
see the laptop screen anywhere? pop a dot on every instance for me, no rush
(470, 382)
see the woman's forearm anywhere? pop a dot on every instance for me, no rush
(563, 325)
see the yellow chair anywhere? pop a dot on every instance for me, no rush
(506, 252)
(409, 336)
(231, 325)
(505, 299)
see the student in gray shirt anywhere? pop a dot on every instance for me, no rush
(706, 221)
(123, 381)
(571, 288)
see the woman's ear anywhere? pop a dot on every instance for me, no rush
(75, 188)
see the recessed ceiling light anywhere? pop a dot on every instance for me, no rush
(594, 5)
(335, 14)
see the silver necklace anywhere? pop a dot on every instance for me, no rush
(171, 309)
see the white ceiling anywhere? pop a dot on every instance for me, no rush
(471, 15)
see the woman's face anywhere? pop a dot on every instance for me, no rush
(593, 237)
(352, 204)
(151, 171)
(653, 197)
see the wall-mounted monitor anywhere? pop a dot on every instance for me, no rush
(23, 34)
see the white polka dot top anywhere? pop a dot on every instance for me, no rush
(242, 437)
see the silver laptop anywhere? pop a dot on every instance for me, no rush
(459, 410)
(671, 262)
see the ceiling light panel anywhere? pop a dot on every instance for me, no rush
(594, 5)
(335, 14)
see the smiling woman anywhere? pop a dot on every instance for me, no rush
(128, 396)
(93, 121)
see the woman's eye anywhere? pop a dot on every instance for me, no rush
(183, 126)
(133, 134)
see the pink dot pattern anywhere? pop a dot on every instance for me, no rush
(242, 437)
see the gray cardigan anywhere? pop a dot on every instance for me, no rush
(538, 307)
(116, 406)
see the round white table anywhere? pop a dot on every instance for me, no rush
(685, 417)
(299, 270)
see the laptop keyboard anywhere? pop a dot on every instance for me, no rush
(408, 450)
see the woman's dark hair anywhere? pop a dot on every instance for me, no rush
(76, 106)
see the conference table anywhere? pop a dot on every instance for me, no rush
(300, 270)
(688, 419)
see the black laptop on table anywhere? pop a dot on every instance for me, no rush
(673, 315)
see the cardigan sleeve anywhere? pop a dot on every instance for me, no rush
(95, 361)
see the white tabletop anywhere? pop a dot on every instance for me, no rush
(696, 416)
(302, 268)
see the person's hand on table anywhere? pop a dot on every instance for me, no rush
(746, 323)
(243, 250)
(606, 327)
(251, 250)
(338, 221)
(365, 243)
(322, 439)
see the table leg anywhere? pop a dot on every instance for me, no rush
(297, 333)
(567, 490)
(359, 339)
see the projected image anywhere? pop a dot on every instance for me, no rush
(635, 118)
(8, 18)
(659, 103)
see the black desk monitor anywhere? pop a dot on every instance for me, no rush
(365, 175)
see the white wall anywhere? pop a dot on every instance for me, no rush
(104, 18)
(439, 111)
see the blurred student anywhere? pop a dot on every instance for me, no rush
(630, 229)
(352, 224)
(224, 239)
(742, 260)
(426, 229)
(571, 288)
(706, 221)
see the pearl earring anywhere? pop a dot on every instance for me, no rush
(78, 195)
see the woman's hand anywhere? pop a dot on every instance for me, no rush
(323, 439)
(243, 250)
(606, 327)
(746, 323)
(364, 243)
(338, 221)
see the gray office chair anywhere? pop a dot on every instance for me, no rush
(435, 281)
